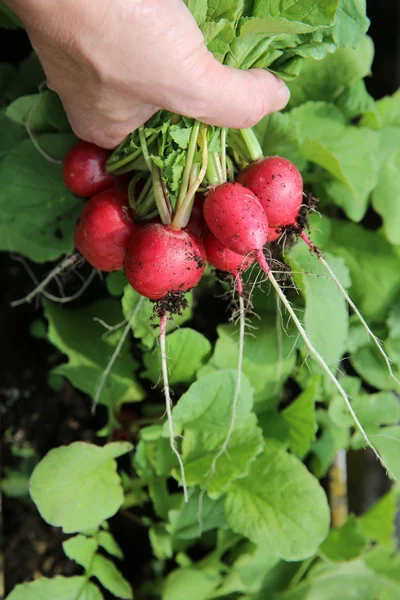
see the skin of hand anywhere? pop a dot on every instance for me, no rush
(114, 63)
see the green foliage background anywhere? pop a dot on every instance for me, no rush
(265, 523)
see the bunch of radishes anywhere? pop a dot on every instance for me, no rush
(240, 218)
(228, 226)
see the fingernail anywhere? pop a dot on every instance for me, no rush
(282, 97)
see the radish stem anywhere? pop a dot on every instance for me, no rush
(112, 167)
(163, 205)
(350, 302)
(264, 266)
(182, 215)
(168, 403)
(160, 192)
(223, 152)
(252, 144)
(188, 164)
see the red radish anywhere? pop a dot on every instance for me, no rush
(224, 259)
(235, 216)
(104, 230)
(274, 234)
(84, 170)
(278, 185)
(160, 260)
(197, 223)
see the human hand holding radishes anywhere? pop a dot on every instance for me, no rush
(114, 63)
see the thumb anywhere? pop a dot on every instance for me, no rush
(236, 98)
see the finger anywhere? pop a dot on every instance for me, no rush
(230, 97)
(102, 130)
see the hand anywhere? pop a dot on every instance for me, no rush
(114, 63)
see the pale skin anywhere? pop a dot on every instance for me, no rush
(114, 63)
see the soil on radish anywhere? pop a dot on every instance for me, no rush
(174, 303)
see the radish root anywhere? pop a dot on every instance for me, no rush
(264, 265)
(231, 428)
(115, 354)
(349, 301)
(30, 133)
(65, 264)
(168, 402)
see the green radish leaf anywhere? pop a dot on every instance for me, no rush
(385, 197)
(218, 37)
(81, 549)
(326, 314)
(379, 523)
(43, 113)
(225, 9)
(11, 135)
(351, 23)
(110, 577)
(161, 542)
(265, 363)
(331, 439)
(200, 584)
(62, 588)
(387, 444)
(203, 416)
(37, 213)
(271, 505)
(326, 79)
(330, 581)
(385, 563)
(76, 487)
(279, 135)
(153, 454)
(187, 350)
(184, 523)
(78, 334)
(249, 571)
(388, 109)
(300, 419)
(373, 411)
(281, 35)
(345, 543)
(341, 150)
(304, 15)
(160, 498)
(198, 8)
(14, 484)
(181, 136)
(116, 283)
(369, 364)
(107, 541)
(145, 324)
(355, 101)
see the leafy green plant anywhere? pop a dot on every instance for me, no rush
(257, 520)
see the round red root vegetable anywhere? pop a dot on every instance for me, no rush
(278, 185)
(274, 234)
(104, 230)
(84, 170)
(235, 216)
(161, 260)
(220, 257)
